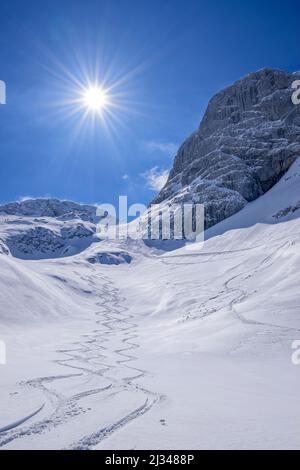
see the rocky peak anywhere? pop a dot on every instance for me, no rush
(46, 228)
(248, 138)
(50, 208)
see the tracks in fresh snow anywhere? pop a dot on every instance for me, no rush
(106, 356)
(243, 294)
(21, 421)
(231, 292)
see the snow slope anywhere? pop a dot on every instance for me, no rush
(188, 349)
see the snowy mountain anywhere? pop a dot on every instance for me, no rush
(29, 238)
(63, 210)
(46, 228)
(184, 350)
(248, 138)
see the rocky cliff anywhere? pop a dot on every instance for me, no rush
(50, 208)
(248, 138)
(46, 228)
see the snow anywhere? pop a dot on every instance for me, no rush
(174, 350)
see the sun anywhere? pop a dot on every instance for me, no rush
(96, 99)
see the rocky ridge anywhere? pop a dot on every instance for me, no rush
(248, 138)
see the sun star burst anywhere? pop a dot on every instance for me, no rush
(96, 98)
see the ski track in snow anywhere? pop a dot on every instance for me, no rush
(243, 294)
(97, 389)
(22, 420)
(239, 294)
(112, 320)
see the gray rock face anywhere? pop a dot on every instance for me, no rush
(248, 138)
(40, 242)
(3, 248)
(46, 228)
(35, 241)
(63, 210)
(111, 258)
(287, 211)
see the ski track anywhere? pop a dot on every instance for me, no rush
(22, 420)
(89, 358)
(232, 287)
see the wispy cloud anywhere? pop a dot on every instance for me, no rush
(167, 148)
(156, 178)
(125, 177)
(29, 198)
(25, 198)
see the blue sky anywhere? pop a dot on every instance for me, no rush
(163, 59)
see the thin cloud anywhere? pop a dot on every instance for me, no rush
(125, 177)
(156, 178)
(167, 148)
(32, 198)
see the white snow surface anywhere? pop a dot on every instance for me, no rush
(189, 349)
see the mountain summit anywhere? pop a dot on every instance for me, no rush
(248, 138)
(43, 207)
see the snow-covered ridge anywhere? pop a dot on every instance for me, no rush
(46, 228)
(41, 238)
(50, 208)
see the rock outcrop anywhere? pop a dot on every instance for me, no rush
(63, 210)
(110, 257)
(248, 138)
(46, 228)
(42, 242)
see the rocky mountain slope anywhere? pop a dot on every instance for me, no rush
(248, 138)
(46, 228)
(50, 208)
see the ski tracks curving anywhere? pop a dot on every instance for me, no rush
(105, 355)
